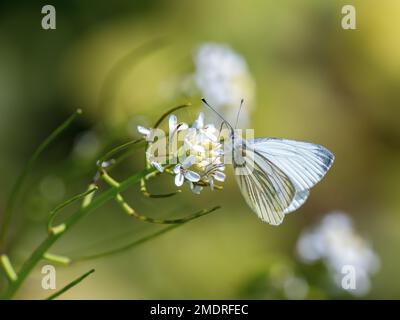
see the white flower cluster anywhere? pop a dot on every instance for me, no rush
(196, 152)
(335, 242)
(223, 78)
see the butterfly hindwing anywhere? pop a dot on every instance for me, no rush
(266, 188)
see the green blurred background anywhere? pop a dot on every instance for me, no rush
(314, 81)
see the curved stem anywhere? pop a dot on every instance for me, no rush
(142, 240)
(82, 212)
(8, 268)
(167, 113)
(28, 168)
(132, 212)
(54, 212)
(118, 149)
(145, 191)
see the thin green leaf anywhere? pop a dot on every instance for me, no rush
(70, 285)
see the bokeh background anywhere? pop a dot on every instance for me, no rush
(127, 62)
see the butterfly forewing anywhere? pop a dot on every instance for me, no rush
(303, 162)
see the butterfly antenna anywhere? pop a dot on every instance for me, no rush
(217, 113)
(240, 109)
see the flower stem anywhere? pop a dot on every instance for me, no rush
(48, 242)
(132, 212)
(57, 258)
(138, 242)
(109, 154)
(8, 268)
(53, 213)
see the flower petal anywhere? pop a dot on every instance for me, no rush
(195, 188)
(179, 178)
(219, 176)
(177, 168)
(182, 126)
(144, 131)
(198, 148)
(192, 176)
(172, 121)
(189, 161)
(199, 122)
(211, 182)
(158, 166)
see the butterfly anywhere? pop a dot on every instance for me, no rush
(275, 175)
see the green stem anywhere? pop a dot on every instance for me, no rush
(8, 268)
(53, 213)
(141, 240)
(48, 242)
(70, 285)
(57, 258)
(167, 113)
(118, 149)
(28, 168)
(132, 212)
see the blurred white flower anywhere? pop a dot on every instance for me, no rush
(295, 288)
(223, 78)
(284, 278)
(336, 243)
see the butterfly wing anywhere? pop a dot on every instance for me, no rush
(266, 188)
(299, 198)
(304, 163)
(282, 172)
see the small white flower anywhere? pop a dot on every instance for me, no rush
(195, 188)
(204, 163)
(206, 131)
(199, 122)
(182, 172)
(215, 172)
(151, 159)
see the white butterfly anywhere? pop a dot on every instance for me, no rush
(275, 175)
